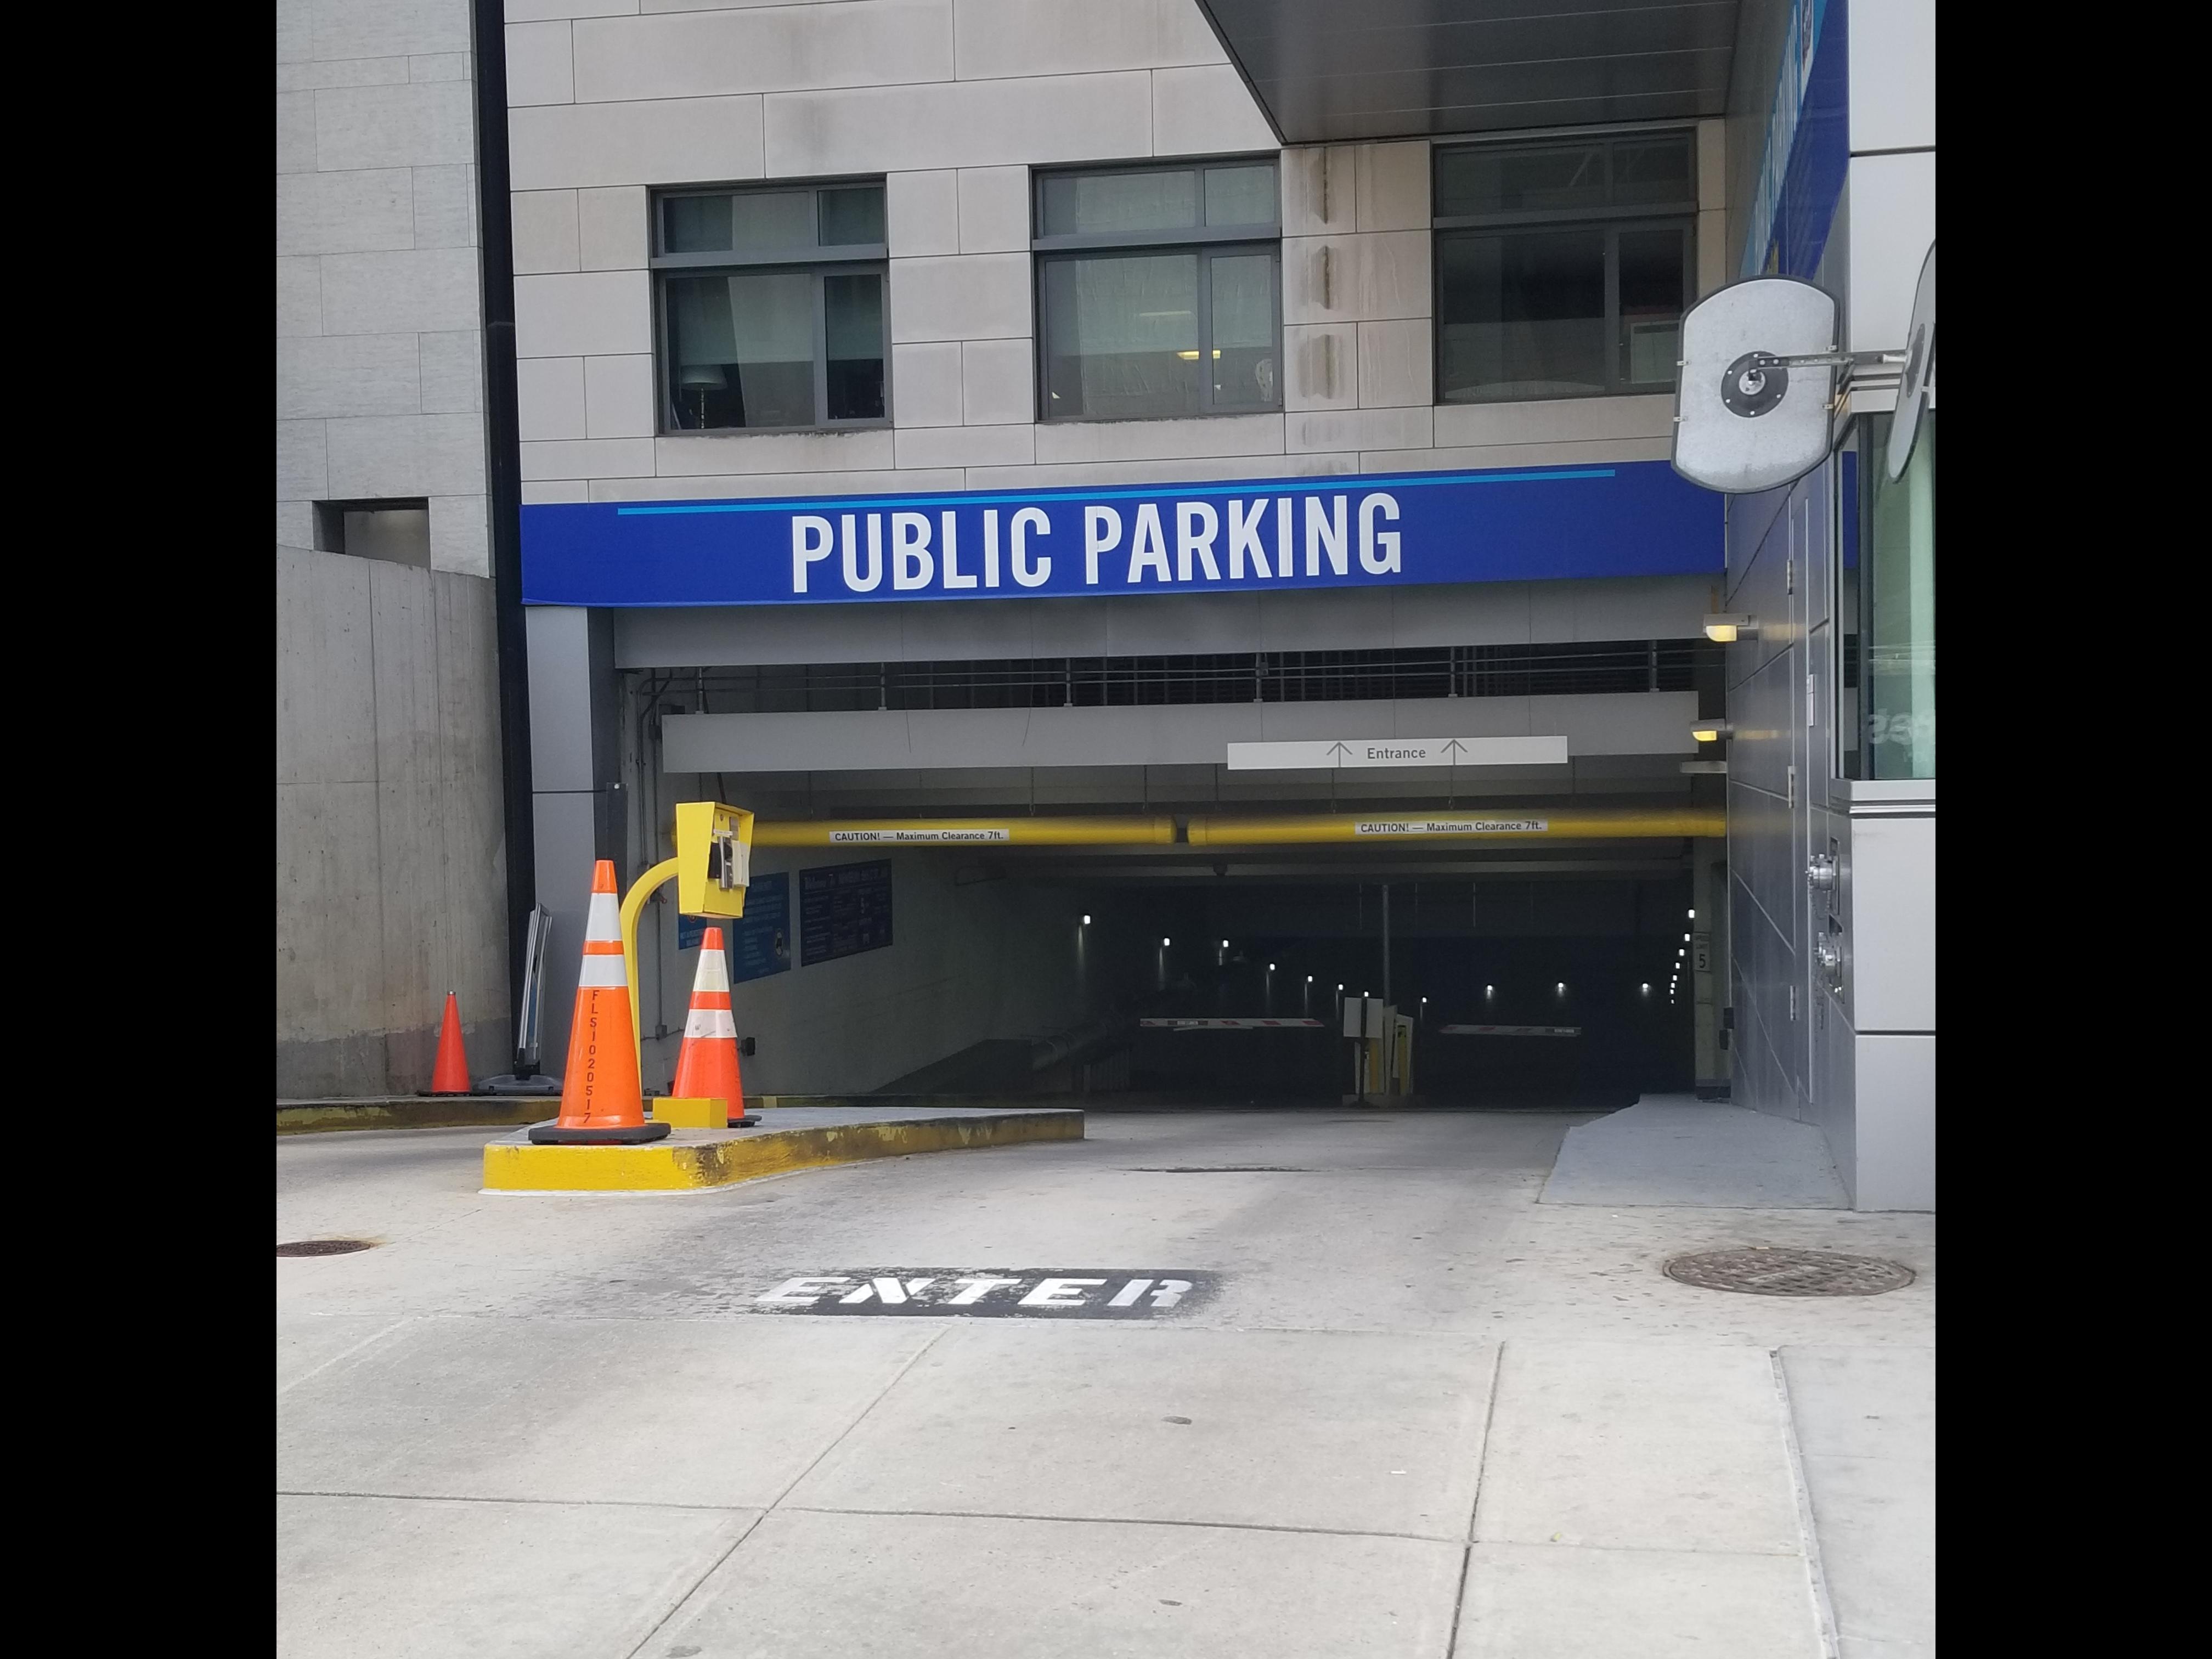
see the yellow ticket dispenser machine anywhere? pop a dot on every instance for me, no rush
(713, 864)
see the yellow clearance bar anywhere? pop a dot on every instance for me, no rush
(1382, 829)
(969, 832)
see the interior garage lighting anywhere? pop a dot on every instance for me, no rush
(1686, 938)
(1271, 966)
(1166, 943)
(1647, 989)
(1086, 922)
(1726, 628)
(1693, 916)
(1561, 988)
(1224, 945)
(1309, 979)
(1490, 990)
(1712, 731)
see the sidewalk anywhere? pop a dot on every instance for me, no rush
(1429, 1412)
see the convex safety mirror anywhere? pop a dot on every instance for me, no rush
(1750, 413)
(1915, 386)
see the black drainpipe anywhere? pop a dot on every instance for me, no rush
(503, 483)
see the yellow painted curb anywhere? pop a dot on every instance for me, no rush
(690, 1159)
(432, 1112)
(681, 1112)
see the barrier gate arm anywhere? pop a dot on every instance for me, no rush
(632, 906)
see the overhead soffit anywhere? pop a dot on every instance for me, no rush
(1331, 71)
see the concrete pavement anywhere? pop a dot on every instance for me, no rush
(1424, 1414)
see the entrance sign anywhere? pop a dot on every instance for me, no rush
(992, 1292)
(1352, 753)
(1630, 519)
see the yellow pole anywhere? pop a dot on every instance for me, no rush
(633, 902)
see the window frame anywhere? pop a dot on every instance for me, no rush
(1681, 214)
(817, 262)
(1206, 242)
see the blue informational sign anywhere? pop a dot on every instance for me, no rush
(1630, 519)
(843, 910)
(760, 940)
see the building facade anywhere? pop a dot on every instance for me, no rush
(960, 412)
(390, 832)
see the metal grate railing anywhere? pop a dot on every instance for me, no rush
(1582, 668)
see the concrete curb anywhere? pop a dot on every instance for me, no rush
(296, 1117)
(691, 1160)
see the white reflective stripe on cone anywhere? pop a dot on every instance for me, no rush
(603, 920)
(714, 972)
(709, 1022)
(601, 971)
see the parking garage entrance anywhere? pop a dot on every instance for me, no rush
(1541, 955)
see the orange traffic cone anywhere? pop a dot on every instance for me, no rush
(600, 1100)
(706, 1067)
(449, 1076)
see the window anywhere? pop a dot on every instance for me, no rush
(395, 531)
(1891, 589)
(1158, 291)
(1563, 268)
(771, 308)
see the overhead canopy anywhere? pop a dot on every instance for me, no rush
(1328, 72)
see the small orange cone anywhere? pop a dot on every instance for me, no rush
(707, 1067)
(449, 1076)
(601, 1102)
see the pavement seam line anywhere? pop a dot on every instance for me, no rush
(552, 1503)
(1127, 1521)
(1824, 1611)
(1466, 1549)
(676, 1606)
(347, 1354)
(715, 1565)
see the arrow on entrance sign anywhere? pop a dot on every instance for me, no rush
(1348, 753)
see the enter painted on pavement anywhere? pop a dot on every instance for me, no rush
(992, 1292)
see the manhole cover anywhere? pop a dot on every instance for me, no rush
(324, 1247)
(1789, 1272)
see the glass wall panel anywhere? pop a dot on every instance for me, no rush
(1095, 203)
(1123, 334)
(1652, 170)
(1653, 276)
(1897, 600)
(1495, 180)
(852, 312)
(1240, 195)
(695, 224)
(742, 348)
(853, 217)
(1243, 292)
(1521, 315)
(778, 223)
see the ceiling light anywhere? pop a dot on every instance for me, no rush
(1712, 731)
